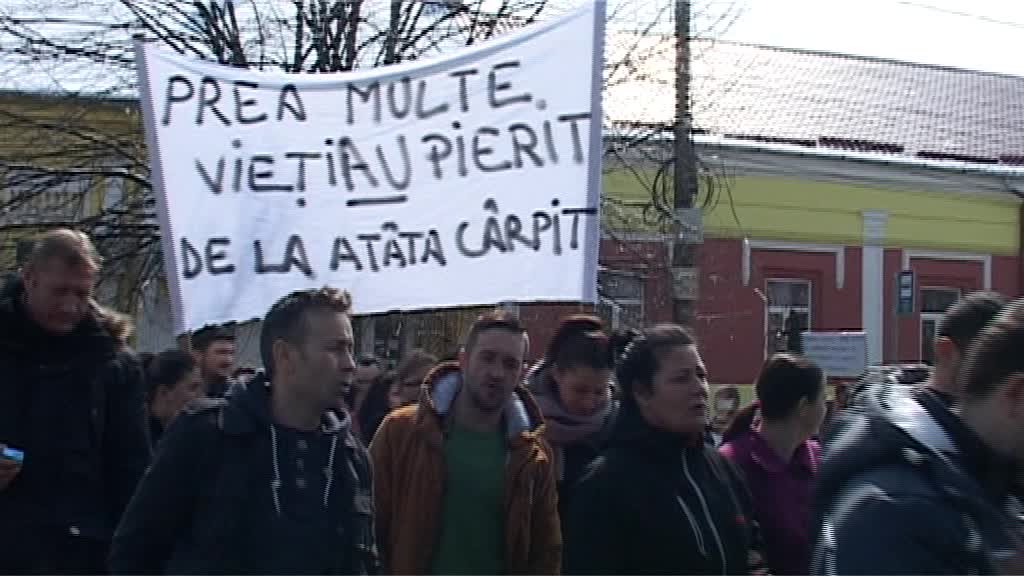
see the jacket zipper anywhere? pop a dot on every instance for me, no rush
(707, 513)
(693, 524)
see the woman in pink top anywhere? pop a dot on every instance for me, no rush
(770, 441)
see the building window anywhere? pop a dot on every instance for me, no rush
(621, 299)
(934, 303)
(788, 314)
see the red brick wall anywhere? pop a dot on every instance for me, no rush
(731, 316)
(645, 258)
(1006, 273)
(891, 263)
(967, 276)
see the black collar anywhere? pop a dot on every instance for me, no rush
(992, 471)
(632, 429)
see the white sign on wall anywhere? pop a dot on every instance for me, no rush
(469, 179)
(840, 354)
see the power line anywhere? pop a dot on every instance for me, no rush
(979, 17)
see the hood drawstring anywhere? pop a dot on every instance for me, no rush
(275, 482)
(329, 470)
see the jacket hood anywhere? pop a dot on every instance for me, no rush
(248, 410)
(100, 323)
(887, 426)
(523, 418)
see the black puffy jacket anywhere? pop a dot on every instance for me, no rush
(653, 505)
(906, 488)
(208, 504)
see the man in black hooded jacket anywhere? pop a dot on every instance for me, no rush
(270, 479)
(910, 487)
(71, 399)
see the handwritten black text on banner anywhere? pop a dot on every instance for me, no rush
(465, 180)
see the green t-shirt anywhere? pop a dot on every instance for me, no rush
(472, 527)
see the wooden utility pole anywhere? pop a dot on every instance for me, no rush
(391, 40)
(686, 228)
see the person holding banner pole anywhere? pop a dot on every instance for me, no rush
(270, 479)
(464, 480)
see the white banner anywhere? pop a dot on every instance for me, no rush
(840, 354)
(464, 180)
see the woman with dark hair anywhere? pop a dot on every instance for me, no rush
(660, 501)
(172, 380)
(770, 440)
(572, 386)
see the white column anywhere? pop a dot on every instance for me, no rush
(874, 283)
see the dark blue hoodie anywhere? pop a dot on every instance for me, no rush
(906, 488)
(226, 494)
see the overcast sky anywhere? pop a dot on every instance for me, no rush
(976, 34)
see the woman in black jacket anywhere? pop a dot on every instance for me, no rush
(660, 501)
(573, 387)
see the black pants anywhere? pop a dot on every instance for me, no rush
(51, 551)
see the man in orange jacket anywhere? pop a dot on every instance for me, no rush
(464, 482)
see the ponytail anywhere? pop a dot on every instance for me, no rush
(741, 421)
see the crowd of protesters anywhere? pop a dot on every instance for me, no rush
(597, 459)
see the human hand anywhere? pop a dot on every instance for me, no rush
(9, 469)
